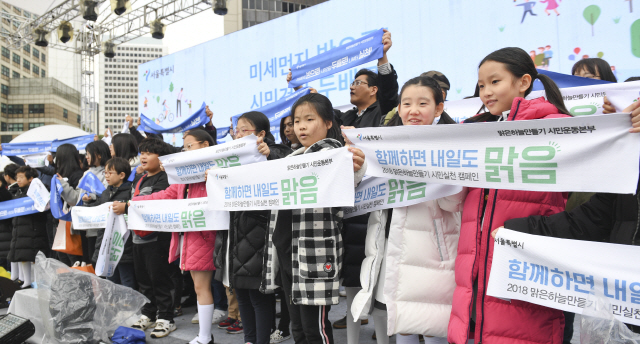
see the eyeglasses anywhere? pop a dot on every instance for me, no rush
(188, 147)
(243, 131)
(357, 83)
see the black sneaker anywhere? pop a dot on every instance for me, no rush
(196, 341)
(236, 328)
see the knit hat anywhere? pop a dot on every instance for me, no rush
(439, 77)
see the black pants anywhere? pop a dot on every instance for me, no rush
(285, 319)
(153, 274)
(257, 314)
(309, 324)
(568, 327)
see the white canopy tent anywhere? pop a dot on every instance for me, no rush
(50, 133)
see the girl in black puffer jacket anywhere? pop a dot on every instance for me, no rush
(29, 231)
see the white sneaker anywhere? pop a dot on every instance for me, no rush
(143, 323)
(278, 336)
(195, 319)
(218, 316)
(163, 328)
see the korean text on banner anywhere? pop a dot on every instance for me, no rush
(561, 154)
(561, 273)
(79, 142)
(198, 119)
(90, 217)
(39, 194)
(17, 207)
(277, 110)
(189, 167)
(36, 160)
(317, 180)
(25, 148)
(365, 49)
(375, 193)
(112, 247)
(181, 215)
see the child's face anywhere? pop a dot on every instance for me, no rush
(418, 106)
(586, 74)
(288, 130)
(113, 178)
(149, 161)
(498, 87)
(245, 128)
(22, 180)
(309, 126)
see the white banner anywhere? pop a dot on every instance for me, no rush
(585, 100)
(112, 247)
(316, 180)
(189, 167)
(381, 193)
(36, 160)
(562, 154)
(561, 273)
(39, 194)
(180, 215)
(90, 217)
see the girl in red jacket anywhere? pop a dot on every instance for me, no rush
(505, 77)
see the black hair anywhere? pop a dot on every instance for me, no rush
(519, 63)
(201, 135)
(119, 165)
(3, 183)
(67, 160)
(260, 122)
(595, 66)
(125, 146)
(98, 148)
(430, 83)
(372, 77)
(633, 78)
(10, 170)
(283, 136)
(324, 108)
(28, 171)
(155, 146)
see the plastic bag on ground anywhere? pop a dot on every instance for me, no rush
(599, 326)
(79, 307)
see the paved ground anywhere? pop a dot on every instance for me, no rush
(187, 331)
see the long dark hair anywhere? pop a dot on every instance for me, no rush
(125, 146)
(283, 136)
(324, 108)
(519, 63)
(595, 66)
(260, 122)
(67, 160)
(98, 148)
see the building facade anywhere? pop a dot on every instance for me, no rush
(246, 13)
(119, 81)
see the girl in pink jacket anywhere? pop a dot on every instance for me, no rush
(505, 77)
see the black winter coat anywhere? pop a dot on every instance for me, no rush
(605, 217)
(123, 194)
(6, 229)
(247, 233)
(29, 234)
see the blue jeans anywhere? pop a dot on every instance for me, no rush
(124, 275)
(219, 295)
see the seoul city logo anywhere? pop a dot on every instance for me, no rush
(369, 137)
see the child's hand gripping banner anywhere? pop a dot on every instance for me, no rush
(179, 215)
(189, 167)
(562, 154)
(561, 273)
(317, 180)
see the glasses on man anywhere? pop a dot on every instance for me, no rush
(188, 147)
(357, 83)
(243, 131)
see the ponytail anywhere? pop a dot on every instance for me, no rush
(552, 93)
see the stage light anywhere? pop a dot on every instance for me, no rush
(88, 9)
(109, 49)
(119, 7)
(65, 32)
(41, 37)
(157, 29)
(220, 7)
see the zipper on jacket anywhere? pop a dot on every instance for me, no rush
(473, 267)
(486, 259)
(381, 224)
(435, 226)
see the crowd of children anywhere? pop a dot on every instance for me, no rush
(417, 270)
